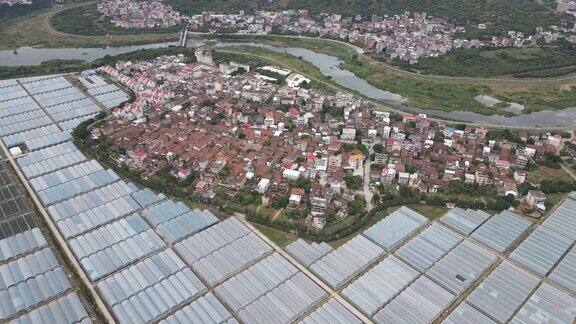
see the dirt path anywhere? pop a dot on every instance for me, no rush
(568, 170)
(367, 192)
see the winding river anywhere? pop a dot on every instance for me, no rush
(328, 65)
(37, 55)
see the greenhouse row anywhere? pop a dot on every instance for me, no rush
(340, 265)
(256, 281)
(77, 186)
(89, 200)
(464, 221)
(65, 175)
(102, 214)
(66, 309)
(307, 253)
(30, 135)
(16, 245)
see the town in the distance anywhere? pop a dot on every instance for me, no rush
(408, 36)
(267, 161)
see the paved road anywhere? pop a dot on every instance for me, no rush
(367, 192)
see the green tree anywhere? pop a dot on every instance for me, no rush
(353, 182)
(281, 202)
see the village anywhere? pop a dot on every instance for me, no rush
(566, 6)
(15, 2)
(268, 130)
(408, 37)
(139, 14)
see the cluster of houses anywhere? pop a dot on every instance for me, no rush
(408, 36)
(15, 2)
(236, 130)
(428, 156)
(566, 6)
(139, 14)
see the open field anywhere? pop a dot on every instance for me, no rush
(554, 59)
(545, 173)
(338, 49)
(260, 56)
(19, 10)
(378, 217)
(280, 238)
(551, 201)
(432, 212)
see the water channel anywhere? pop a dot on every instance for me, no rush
(328, 65)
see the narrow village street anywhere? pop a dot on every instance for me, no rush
(367, 192)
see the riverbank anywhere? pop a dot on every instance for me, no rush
(563, 119)
(435, 92)
(328, 70)
(58, 66)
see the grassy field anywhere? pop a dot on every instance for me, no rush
(432, 212)
(540, 61)
(451, 95)
(279, 237)
(319, 45)
(9, 13)
(256, 56)
(372, 221)
(552, 200)
(545, 173)
(422, 93)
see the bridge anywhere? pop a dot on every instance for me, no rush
(184, 33)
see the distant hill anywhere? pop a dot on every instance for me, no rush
(522, 15)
